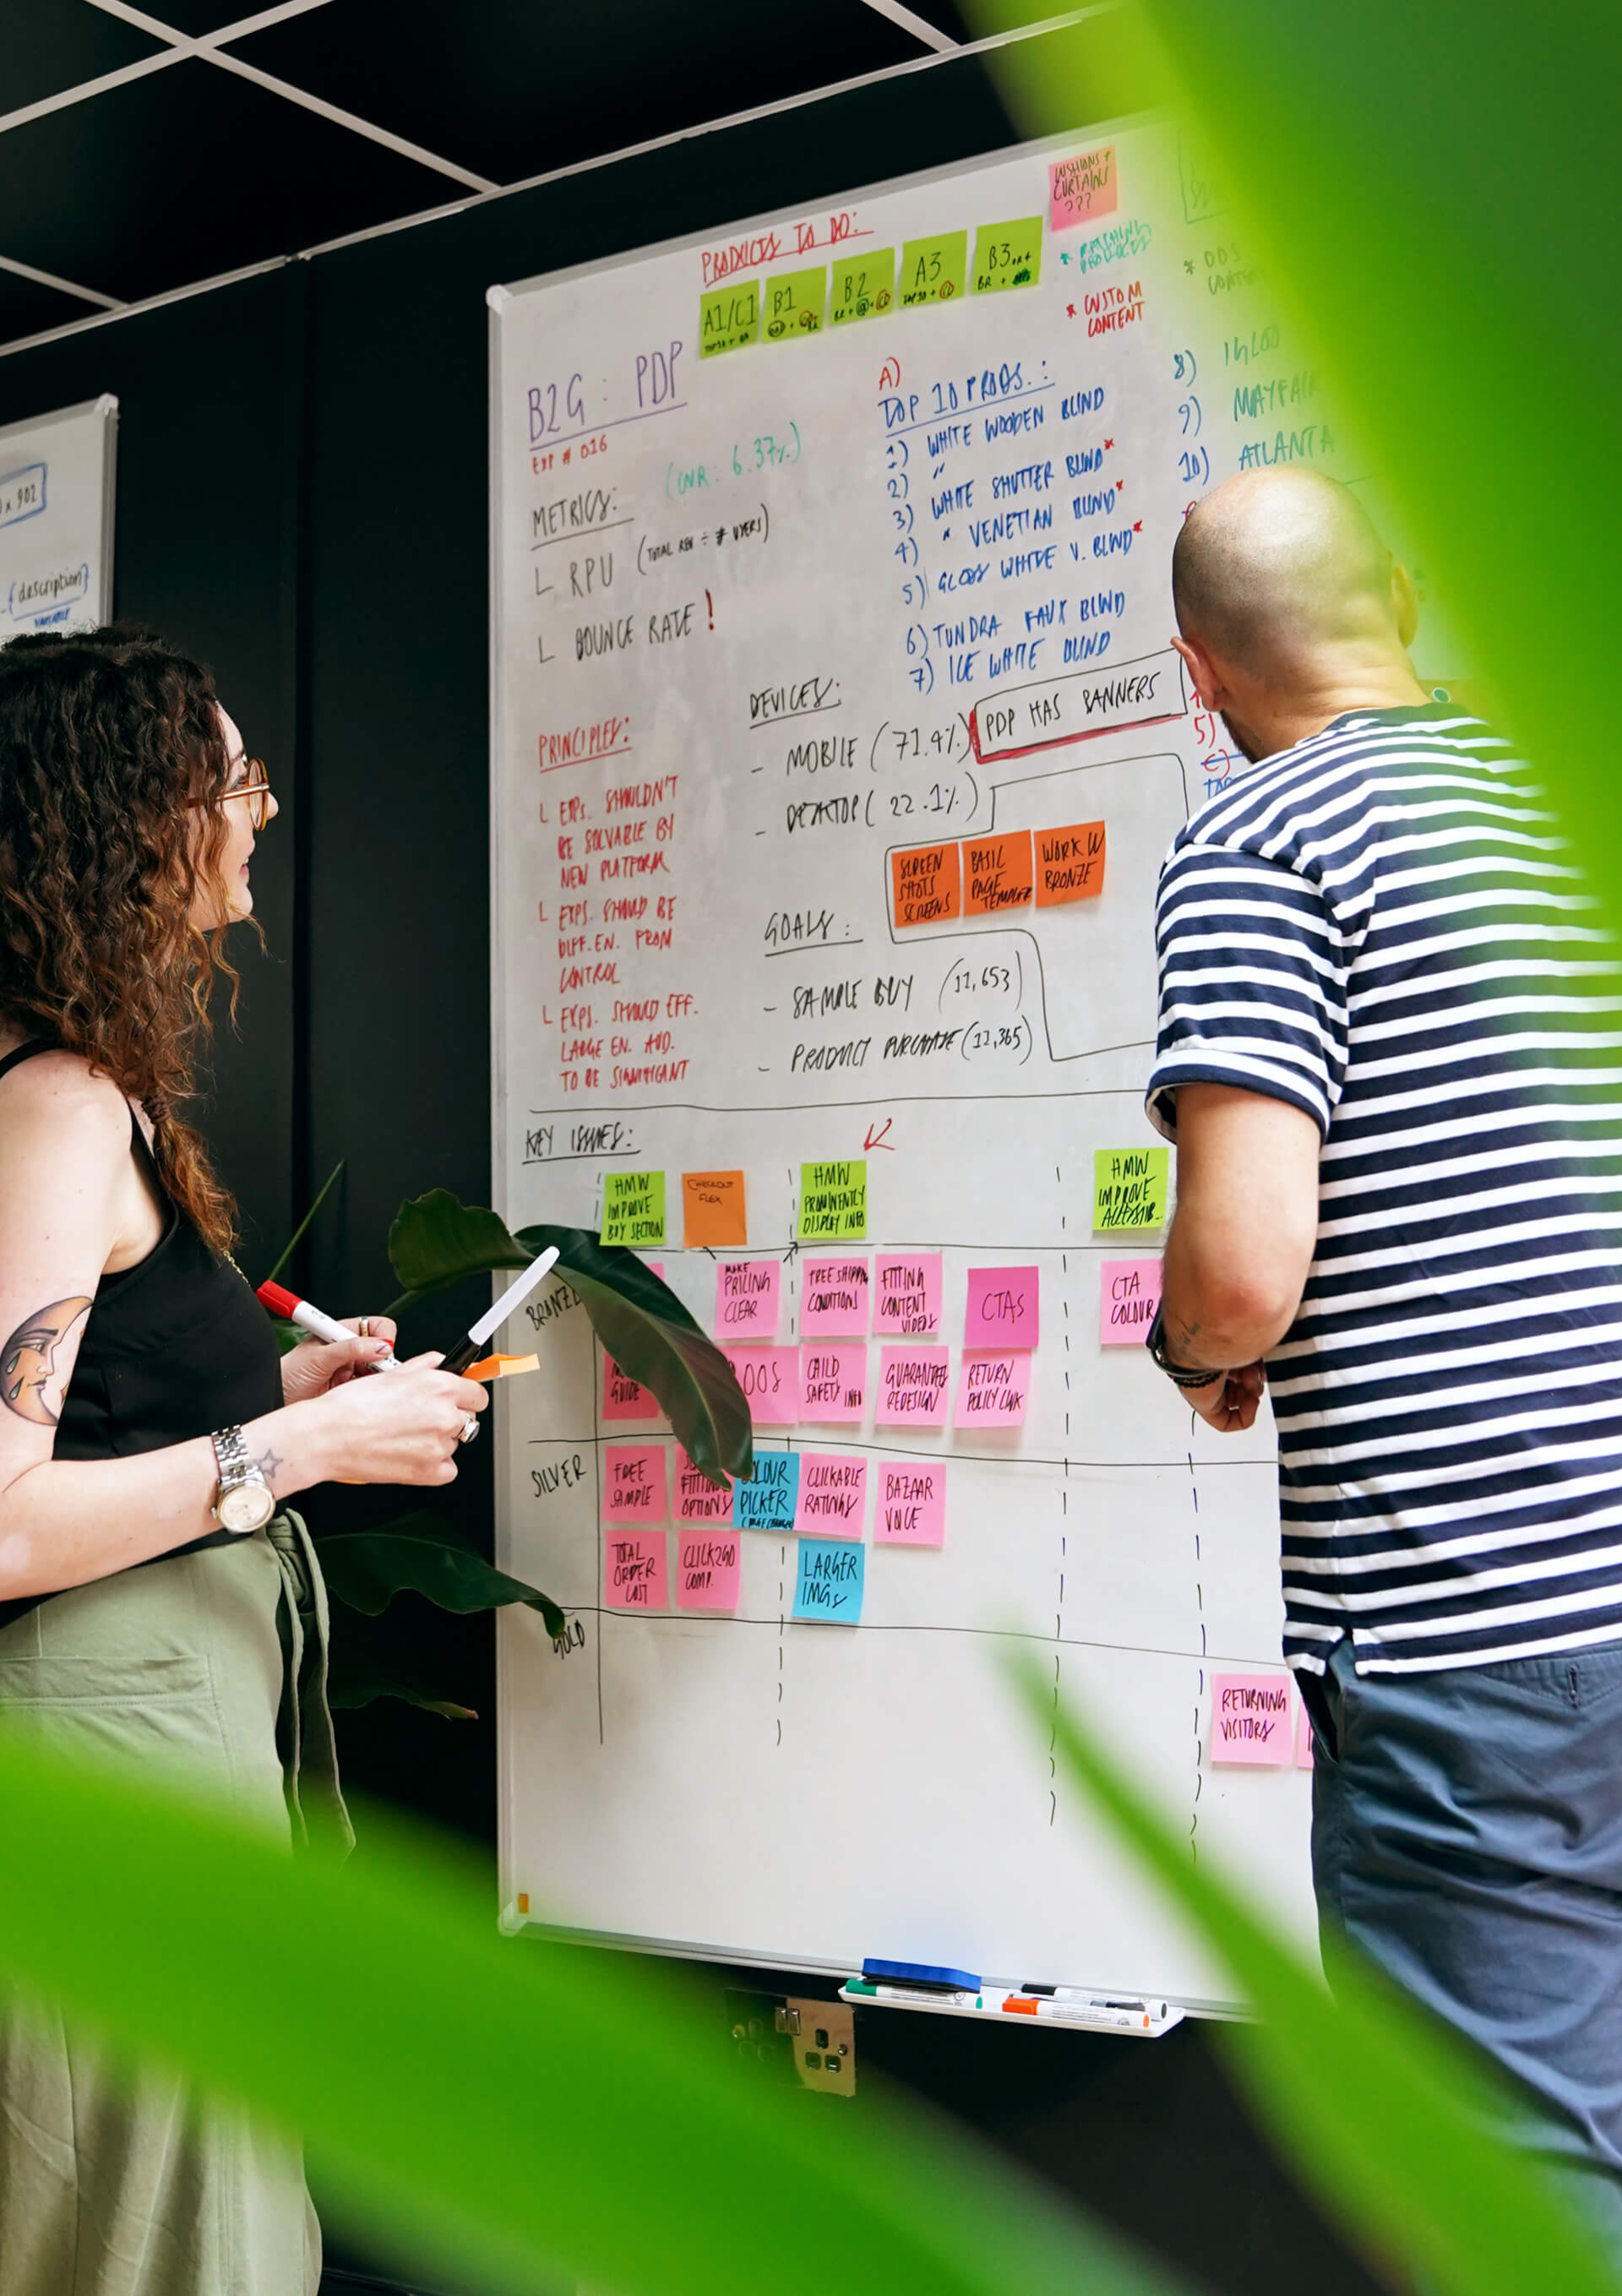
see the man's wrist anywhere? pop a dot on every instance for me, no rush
(1184, 1375)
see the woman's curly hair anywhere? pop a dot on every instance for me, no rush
(112, 764)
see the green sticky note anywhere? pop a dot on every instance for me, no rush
(932, 270)
(729, 317)
(1007, 255)
(794, 305)
(633, 1208)
(863, 286)
(833, 1201)
(1129, 1187)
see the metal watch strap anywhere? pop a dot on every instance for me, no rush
(237, 1465)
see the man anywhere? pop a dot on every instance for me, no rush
(1391, 1023)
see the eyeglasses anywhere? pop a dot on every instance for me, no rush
(255, 786)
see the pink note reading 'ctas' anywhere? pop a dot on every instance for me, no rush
(913, 1387)
(770, 1379)
(992, 1389)
(709, 1566)
(746, 1299)
(1128, 1294)
(912, 1504)
(1004, 1308)
(634, 1570)
(833, 1381)
(633, 1483)
(697, 1498)
(832, 1494)
(1250, 1719)
(834, 1299)
(906, 1293)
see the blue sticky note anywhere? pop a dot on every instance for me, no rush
(770, 1499)
(828, 1585)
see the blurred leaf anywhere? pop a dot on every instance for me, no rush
(423, 1554)
(360, 1670)
(512, 2111)
(1381, 2111)
(298, 1233)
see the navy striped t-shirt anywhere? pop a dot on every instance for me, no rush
(1383, 926)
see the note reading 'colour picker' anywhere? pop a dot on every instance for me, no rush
(926, 885)
(863, 286)
(1007, 255)
(913, 1387)
(834, 1301)
(634, 1570)
(769, 1499)
(912, 1504)
(1128, 1294)
(1250, 1719)
(833, 1381)
(1069, 864)
(828, 1581)
(1129, 1187)
(1081, 188)
(1003, 1309)
(747, 1292)
(697, 1498)
(729, 318)
(933, 270)
(633, 1483)
(832, 1494)
(992, 1389)
(795, 302)
(713, 1212)
(709, 1565)
(906, 1293)
(997, 873)
(770, 1379)
(633, 1208)
(833, 1201)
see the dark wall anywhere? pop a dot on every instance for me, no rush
(303, 499)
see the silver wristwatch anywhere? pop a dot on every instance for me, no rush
(244, 1500)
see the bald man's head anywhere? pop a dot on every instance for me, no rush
(1277, 569)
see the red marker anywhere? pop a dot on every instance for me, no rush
(279, 1301)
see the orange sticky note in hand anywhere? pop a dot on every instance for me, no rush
(713, 1209)
(502, 1366)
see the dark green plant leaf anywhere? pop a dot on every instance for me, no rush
(437, 1240)
(1380, 2109)
(423, 1554)
(359, 1670)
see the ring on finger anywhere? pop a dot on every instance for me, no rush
(470, 1428)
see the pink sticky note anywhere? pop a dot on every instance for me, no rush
(1128, 1294)
(747, 1292)
(906, 1293)
(634, 1570)
(633, 1483)
(833, 1381)
(832, 1494)
(1303, 1737)
(709, 1565)
(992, 1389)
(1081, 188)
(913, 1387)
(834, 1299)
(1250, 1719)
(912, 1509)
(697, 1499)
(770, 1379)
(622, 1397)
(1004, 1308)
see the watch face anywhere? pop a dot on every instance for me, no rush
(246, 1506)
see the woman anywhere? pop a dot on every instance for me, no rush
(158, 1603)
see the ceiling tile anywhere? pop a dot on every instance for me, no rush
(189, 173)
(57, 47)
(508, 90)
(27, 308)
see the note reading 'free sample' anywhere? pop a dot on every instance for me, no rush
(833, 1381)
(1081, 188)
(1129, 1187)
(633, 1208)
(1250, 1719)
(634, 1570)
(709, 1566)
(906, 1293)
(832, 1494)
(1128, 1294)
(769, 1499)
(912, 1504)
(697, 1498)
(834, 1201)
(1003, 1308)
(633, 1483)
(828, 1581)
(913, 1387)
(834, 1301)
(992, 1389)
(713, 1212)
(747, 1292)
(770, 1379)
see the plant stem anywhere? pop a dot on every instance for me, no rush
(297, 1237)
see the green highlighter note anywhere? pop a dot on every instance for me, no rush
(863, 286)
(729, 317)
(833, 1201)
(1129, 1187)
(1007, 255)
(795, 304)
(933, 270)
(633, 1208)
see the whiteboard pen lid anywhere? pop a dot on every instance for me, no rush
(467, 1350)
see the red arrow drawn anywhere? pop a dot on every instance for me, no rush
(877, 1139)
(1120, 485)
(1137, 526)
(1107, 444)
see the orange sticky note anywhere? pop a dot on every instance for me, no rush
(713, 1209)
(927, 884)
(502, 1366)
(1069, 864)
(996, 873)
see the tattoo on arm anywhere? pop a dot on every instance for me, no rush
(31, 1384)
(269, 1464)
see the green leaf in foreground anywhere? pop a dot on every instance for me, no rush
(422, 1553)
(436, 1239)
(1380, 2109)
(510, 2110)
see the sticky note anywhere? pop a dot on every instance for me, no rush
(713, 1212)
(770, 1379)
(992, 1389)
(795, 304)
(769, 1498)
(489, 1367)
(828, 1581)
(1007, 255)
(1304, 1757)
(747, 1292)
(911, 1510)
(624, 1397)
(906, 1293)
(633, 1483)
(913, 1387)
(833, 1381)
(1069, 864)
(1128, 1294)
(697, 1499)
(633, 1208)
(997, 873)
(1129, 1187)
(926, 885)
(729, 317)
(1081, 188)
(933, 270)
(709, 1566)
(1004, 1308)
(832, 1494)
(863, 286)
(634, 1570)
(1250, 1719)
(832, 1200)
(834, 1296)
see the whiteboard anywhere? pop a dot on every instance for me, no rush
(56, 513)
(768, 619)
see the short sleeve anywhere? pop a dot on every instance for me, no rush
(1252, 988)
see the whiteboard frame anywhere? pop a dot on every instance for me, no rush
(107, 406)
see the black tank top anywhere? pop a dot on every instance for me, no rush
(173, 1348)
